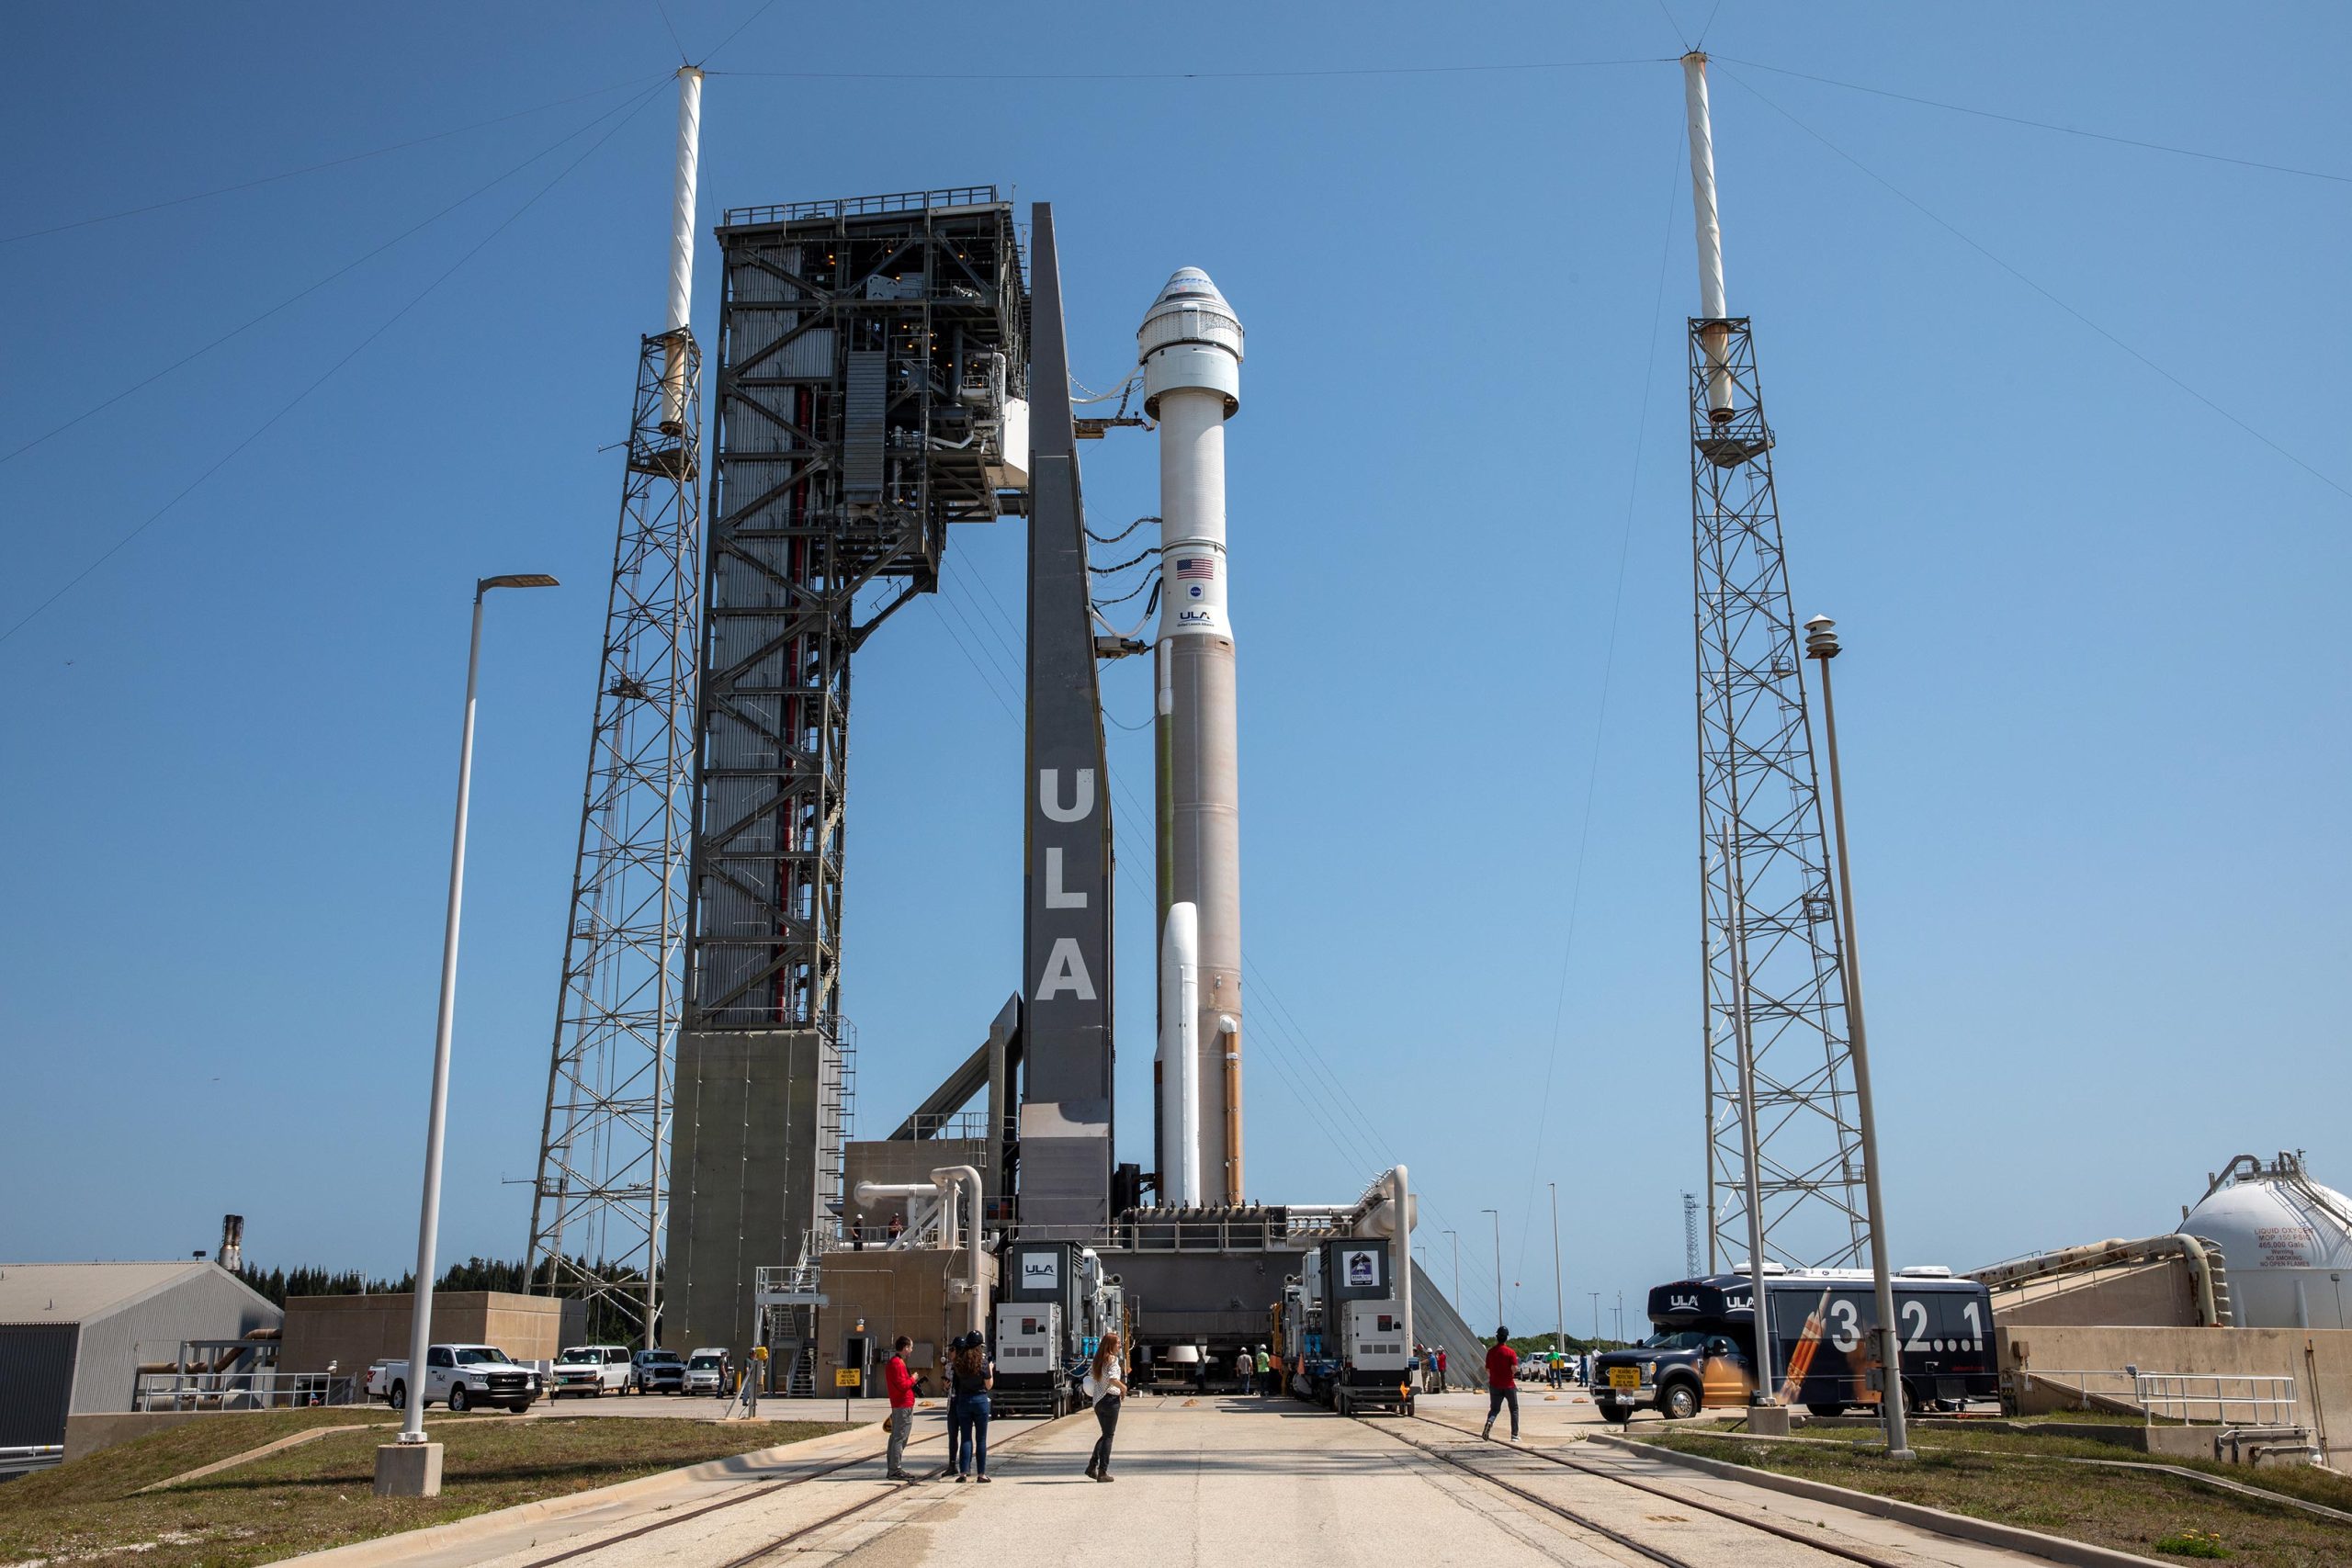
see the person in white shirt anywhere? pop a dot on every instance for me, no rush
(1105, 1387)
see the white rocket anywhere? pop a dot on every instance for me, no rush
(1190, 345)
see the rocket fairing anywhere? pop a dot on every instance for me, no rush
(1189, 347)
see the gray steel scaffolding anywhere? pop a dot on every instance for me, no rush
(1769, 927)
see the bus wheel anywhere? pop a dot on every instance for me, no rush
(1680, 1401)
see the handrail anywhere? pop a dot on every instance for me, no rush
(863, 206)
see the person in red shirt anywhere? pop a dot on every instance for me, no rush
(900, 1384)
(1502, 1383)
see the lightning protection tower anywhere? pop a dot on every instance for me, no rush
(1775, 1000)
(596, 1209)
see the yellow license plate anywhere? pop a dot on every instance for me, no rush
(1624, 1377)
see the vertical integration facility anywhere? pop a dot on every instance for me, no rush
(870, 357)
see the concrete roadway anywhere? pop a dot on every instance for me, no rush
(1213, 1482)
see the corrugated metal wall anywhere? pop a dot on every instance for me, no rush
(36, 1382)
(208, 1305)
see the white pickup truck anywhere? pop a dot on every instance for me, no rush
(461, 1376)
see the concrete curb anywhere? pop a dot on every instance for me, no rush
(1985, 1532)
(291, 1440)
(403, 1544)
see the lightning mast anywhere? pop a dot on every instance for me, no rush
(1774, 987)
(596, 1220)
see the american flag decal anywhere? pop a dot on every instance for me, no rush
(1202, 567)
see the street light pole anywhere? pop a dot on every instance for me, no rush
(1596, 1314)
(1501, 1318)
(428, 1223)
(1821, 644)
(1559, 1308)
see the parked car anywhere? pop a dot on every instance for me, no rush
(592, 1369)
(462, 1376)
(658, 1370)
(706, 1373)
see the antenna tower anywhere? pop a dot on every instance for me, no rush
(596, 1220)
(1774, 987)
(1691, 1253)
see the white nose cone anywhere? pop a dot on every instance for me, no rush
(1190, 339)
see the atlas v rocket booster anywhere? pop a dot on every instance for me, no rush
(1189, 347)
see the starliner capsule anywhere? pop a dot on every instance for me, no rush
(1189, 347)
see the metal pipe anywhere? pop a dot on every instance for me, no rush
(1228, 1029)
(1401, 1191)
(428, 1220)
(682, 250)
(1821, 644)
(1559, 1300)
(1745, 1038)
(1712, 307)
(949, 1178)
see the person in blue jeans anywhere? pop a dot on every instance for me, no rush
(969, 1377)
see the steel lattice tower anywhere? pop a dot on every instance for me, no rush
(596, 1209)
(1774, 988)
(1770, 923)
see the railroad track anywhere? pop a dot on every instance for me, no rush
(1585, 1521)
(1014, 1444)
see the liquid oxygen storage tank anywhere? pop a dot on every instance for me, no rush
(2286, 1240)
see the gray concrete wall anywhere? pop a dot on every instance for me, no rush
(2320, 1360)
(352, 1331)
(743, 1148)
(2159, 1293)
(895, 1292)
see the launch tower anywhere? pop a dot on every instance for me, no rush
(1775, 1003)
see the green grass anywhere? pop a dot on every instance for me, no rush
(320, 1494)
(2017, 1479)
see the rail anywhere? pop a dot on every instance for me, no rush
(2222, 1399)
(863, 206)
(240, 1390)
(27, 1458)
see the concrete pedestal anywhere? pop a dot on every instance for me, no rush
(1763, 1421)
(408, 1470)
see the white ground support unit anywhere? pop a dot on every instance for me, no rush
(1189, 347)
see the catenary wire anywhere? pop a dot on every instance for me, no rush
(325, 376)
(315, 168)
(2040, 124)
(730, 38)
(1958, 234)
(1601, 715)
(1107, 604)
(297, 298)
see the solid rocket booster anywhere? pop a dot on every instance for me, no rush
(1189, 347)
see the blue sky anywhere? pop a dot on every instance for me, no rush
(2093, 702)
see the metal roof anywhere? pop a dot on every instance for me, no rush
(76, 1292)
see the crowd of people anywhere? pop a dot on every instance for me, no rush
(971, 1375)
